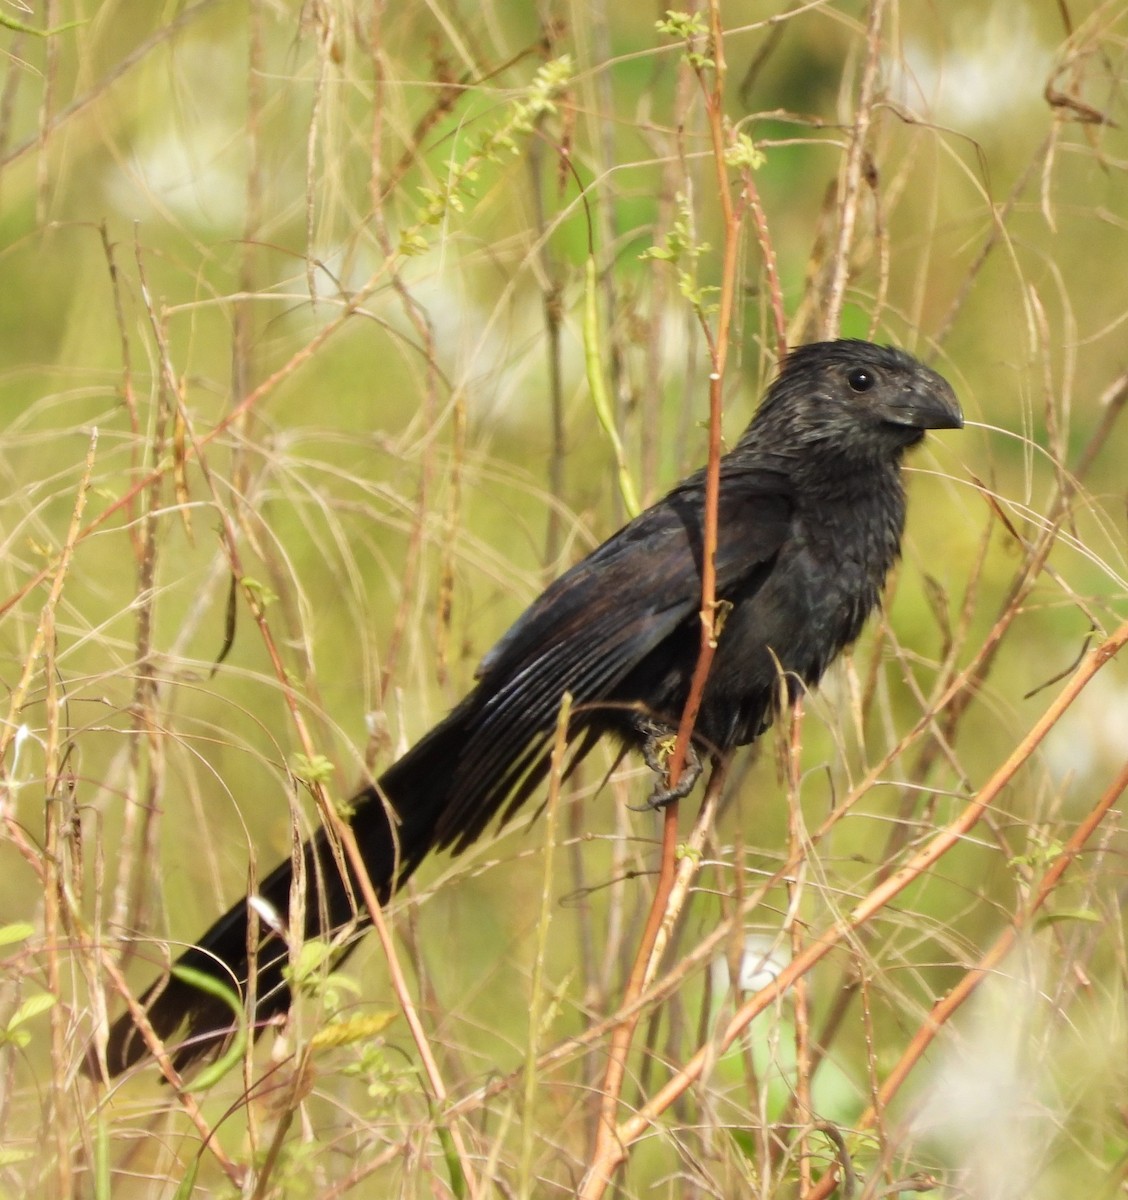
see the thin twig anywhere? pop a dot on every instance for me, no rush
(798, 846)
(853, 173)
(557, 767)
(609, 1152)
(56, 882)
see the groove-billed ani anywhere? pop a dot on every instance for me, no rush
(809, 523)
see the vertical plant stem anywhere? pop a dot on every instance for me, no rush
(609, 1150)
(55, 875)
(537, 983)
(852, 174)
(797, 840)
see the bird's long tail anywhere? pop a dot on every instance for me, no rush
(443, 793)
(396, 823)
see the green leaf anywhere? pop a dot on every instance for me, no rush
(1068, 914)
(259, 590)
(205, 1079)
(188, 1183)
(593, 360)
(31, 1007)
(352, 1029)
(311, 958)
(314, 768)
(682, 25)
(19, 27)
(743, 153)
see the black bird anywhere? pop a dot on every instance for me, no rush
(809, 523)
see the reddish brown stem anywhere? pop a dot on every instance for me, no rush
(609, 1151)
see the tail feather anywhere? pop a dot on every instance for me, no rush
(397, 823)
(223, 954)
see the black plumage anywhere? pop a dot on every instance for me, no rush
(811, 511)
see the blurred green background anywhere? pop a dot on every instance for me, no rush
(315, 276)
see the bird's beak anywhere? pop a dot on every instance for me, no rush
(926, 404)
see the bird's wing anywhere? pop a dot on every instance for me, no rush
(597, 623)
(608, 600)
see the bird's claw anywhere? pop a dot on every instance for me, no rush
(657, 750)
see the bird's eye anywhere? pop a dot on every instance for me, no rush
(861, 380)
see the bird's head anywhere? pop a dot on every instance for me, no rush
(857, 399)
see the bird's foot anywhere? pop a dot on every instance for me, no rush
(657, 750)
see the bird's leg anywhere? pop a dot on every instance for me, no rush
(657, 749)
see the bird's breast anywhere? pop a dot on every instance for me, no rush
(783, 635)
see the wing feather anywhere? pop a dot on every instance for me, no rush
(595, 626)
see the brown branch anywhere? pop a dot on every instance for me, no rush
(853, 173)
(797, 850)
(57, 881)
(771, 264)
(609, 1152)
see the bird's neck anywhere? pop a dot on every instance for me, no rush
(859, 508)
